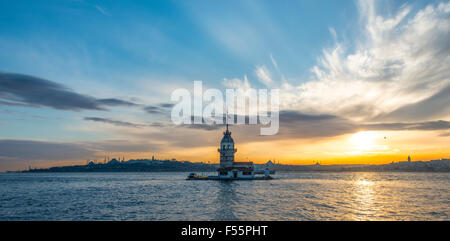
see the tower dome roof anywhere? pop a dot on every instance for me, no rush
(227, 138)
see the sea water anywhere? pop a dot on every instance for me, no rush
(168, 196)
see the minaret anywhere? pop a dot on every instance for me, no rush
(227, 150)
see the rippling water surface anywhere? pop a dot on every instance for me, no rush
(167, 196)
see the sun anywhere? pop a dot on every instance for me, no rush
(364, 140)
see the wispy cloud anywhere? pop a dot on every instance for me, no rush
(428, 126)
(435, 106)
(333, 33)
(237, 83)
(115, 102)
(274, 62)
(264, 75)
(102, 10)
(114, 122)
(445, 134)
(122, 146)
(399, 60)
(161, 108)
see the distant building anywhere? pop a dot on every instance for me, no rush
(113, 161)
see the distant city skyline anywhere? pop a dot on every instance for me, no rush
(361, 82)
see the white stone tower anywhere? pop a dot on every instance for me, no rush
(227, 150)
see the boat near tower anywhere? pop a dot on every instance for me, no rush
(232, 170)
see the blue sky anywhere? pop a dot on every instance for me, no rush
(115, 41)
(139, 51)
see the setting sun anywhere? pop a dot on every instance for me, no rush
(365, 141)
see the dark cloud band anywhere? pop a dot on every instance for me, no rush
(30, 91)
(114, 122)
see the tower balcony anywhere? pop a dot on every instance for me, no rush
(221, 150)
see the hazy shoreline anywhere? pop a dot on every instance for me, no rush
(147, 165)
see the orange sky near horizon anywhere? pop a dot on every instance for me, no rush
(366, 147)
